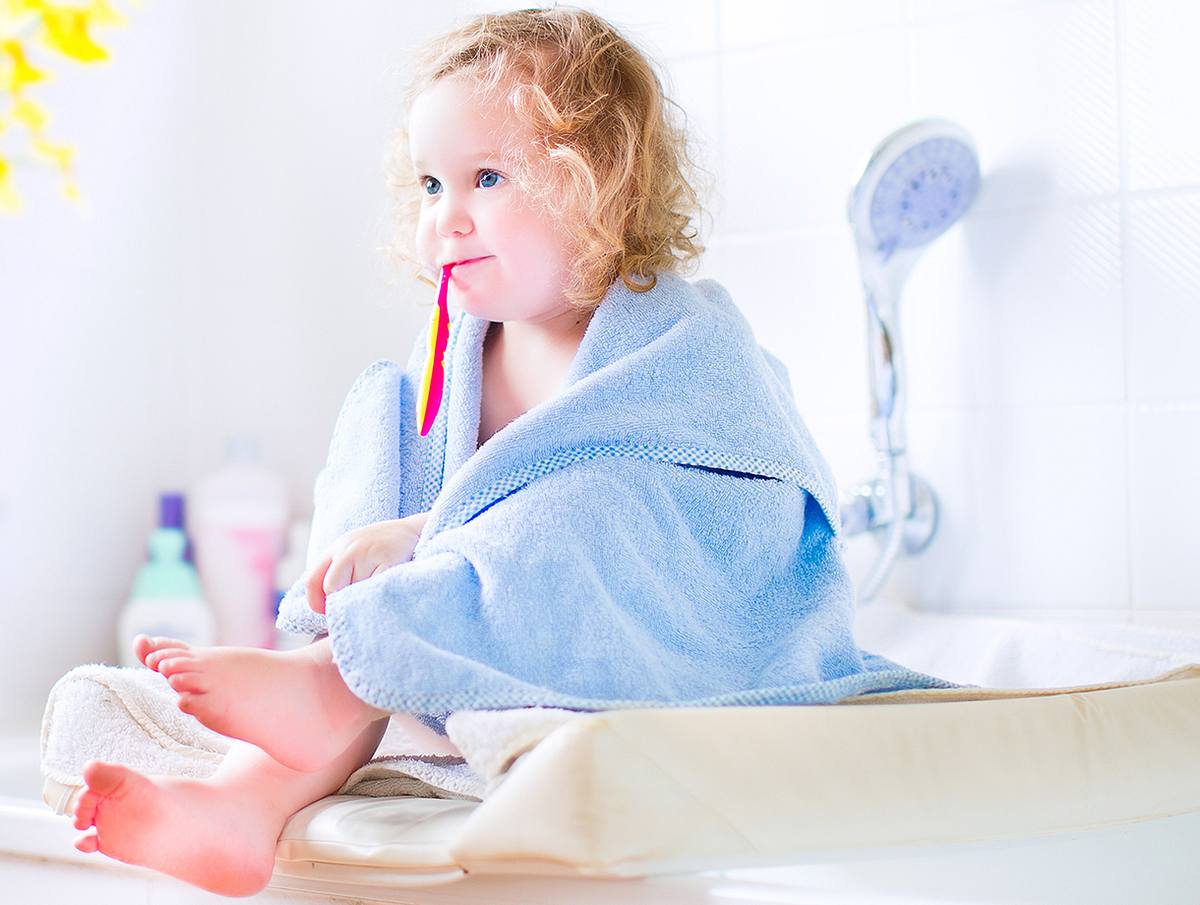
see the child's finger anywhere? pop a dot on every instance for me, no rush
(339, 574)
(314, 585)
(365, 567)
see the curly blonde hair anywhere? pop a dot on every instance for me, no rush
(608, 162)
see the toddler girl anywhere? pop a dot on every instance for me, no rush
(618, 504)
(515, 123)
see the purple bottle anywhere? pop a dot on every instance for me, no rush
(171, 515)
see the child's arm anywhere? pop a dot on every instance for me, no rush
(361, 553)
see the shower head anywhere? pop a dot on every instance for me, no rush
(916, 185)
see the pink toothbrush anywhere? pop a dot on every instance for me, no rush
(431, 387)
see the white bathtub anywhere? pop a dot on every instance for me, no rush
(1145, 862)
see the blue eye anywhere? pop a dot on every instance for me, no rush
(484, 175)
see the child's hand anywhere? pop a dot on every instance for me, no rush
(360, 554)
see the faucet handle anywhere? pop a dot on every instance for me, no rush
(857, 508)
(869, 507)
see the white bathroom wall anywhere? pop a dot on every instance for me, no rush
(223, 278)
(1053, 388)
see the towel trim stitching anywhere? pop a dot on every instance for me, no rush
(473, 505)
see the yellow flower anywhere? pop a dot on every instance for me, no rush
(66, 30)
(63, 27)
(18, 73)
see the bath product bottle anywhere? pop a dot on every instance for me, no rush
(240, 516)
(166, 598)
(287, 573)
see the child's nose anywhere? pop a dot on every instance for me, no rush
(453, 218)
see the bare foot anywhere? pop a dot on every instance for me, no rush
(292, 704)
(191, 829)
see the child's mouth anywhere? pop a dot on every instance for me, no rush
(456, 270)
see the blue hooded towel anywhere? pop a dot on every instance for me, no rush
(661, 533)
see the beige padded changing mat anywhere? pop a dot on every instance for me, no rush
(643, 792)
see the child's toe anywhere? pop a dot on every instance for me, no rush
(190, 682)
(146, 646)
(103, 779)
(155, 657)
(169, 666)
(190, 703)
(85, 810)
(142, 647)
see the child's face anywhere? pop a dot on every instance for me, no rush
(471, 208)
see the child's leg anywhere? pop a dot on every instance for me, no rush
(217, 833)
(292, 704)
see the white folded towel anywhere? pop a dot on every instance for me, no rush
(128, 716)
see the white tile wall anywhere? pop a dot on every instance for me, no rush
(1162, 280)
(1162, 108)
(665, 29)
(1035, 509)
(1053, 381)
(1036, 86)
(798, 122)
(1165, 499)
(694, 84)
(1019, 308)
(801, 294)
(750, 23)
(924, 11)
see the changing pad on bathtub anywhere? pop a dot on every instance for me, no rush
(643, 792)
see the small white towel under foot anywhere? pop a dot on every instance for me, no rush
(129, 716)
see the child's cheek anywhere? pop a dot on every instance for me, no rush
(426, 241)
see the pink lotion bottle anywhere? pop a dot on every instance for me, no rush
(239, 519)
